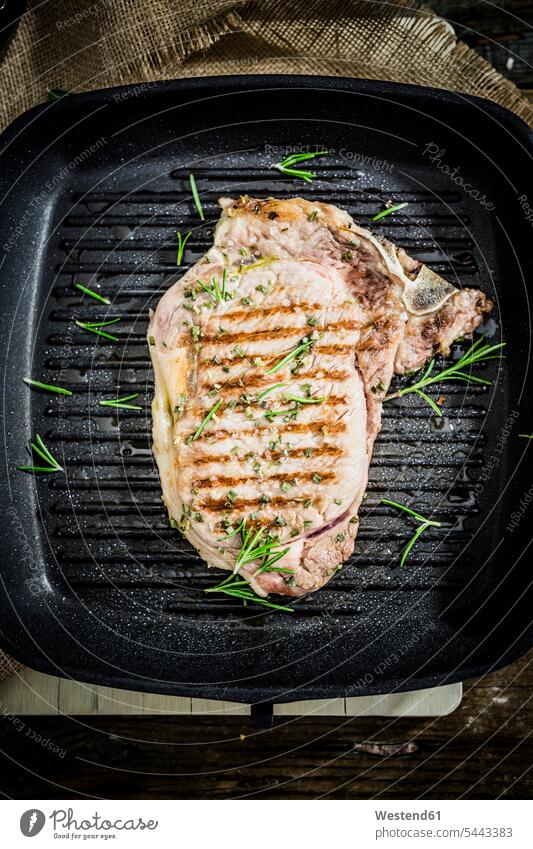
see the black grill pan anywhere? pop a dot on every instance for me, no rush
(95, 584)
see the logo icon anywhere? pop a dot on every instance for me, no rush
(32, 822)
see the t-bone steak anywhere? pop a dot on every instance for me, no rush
(272, 357)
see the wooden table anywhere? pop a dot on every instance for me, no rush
(481, 750)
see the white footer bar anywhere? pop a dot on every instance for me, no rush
(266, 824)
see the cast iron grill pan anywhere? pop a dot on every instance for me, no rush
(96, 584)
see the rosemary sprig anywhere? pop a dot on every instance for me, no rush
(206, 420)
(92, 294)
(121, 403)
(220, 293)
(253, 547)
(303, 346)
(389, 210)
(241, 589)
(182, 241)
(94, 327)
(196, 197)
(425, 523)
(42, 451)
(269, 390)
(285, 166)
(526, 435)
(476, 353)
(48, 386)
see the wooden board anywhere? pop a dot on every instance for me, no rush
(30, 693)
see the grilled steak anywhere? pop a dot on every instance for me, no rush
(272, 356)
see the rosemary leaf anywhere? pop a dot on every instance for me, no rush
(235, 589)
(102, 323)
(121, 403)
(92, 294)
(269, 390)
(286, 165)
(269, 562)
(424, 524)
(196, 197)
(37, 469)
(49, 387)
(411, 512)
(54, 94)
(389, 210)
(419, 531)
(95, 328)
(435, 407)
(291, 355)
(305, 400)
(182, 241)
(206, 420)
(240, 527)
(42, 451)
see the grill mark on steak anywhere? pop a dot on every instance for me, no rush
(264, 312)
(307, 427)
(276, 332)
(262, 379)
(216, 505)
(330, 401)
(270, 361)
(283, 477)
(258, 380)
(319, 451)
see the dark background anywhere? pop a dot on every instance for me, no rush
(480, 751)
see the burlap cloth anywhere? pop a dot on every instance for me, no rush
(76, 46)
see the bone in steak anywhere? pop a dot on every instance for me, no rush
(285, 276)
